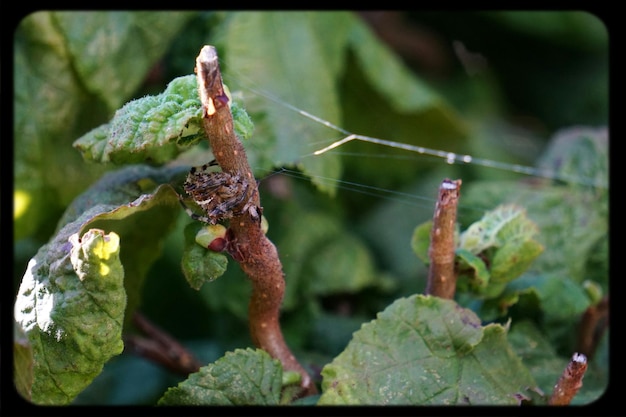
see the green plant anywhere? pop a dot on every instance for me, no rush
(93, 272)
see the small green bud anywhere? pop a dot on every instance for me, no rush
(212, 237)
(291, 377)
(593, 290)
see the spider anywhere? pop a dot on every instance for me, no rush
(219, 194)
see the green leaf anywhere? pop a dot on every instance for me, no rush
(50, 106)
(73, 297)
(199, 264)
(344, 264)
(242, 123)
(426, 350)
(579, 154)
(155, 129)
(118, 188)
(22, 362)
(242, 377)
(560, 299)
(313, 79)
(113, 50)
(473, 273)
(71, 306)
(71, 69)
(388, 74)
(148, 129)
(572, 218)
(503, 238)
(142, 223)
(420, 241)
(513, 259)
(503, 224)
(267, 48)
(375, 89)
(319, 256)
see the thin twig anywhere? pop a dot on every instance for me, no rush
(441, 274)
(255, 253)
(593, 324)
(160, 347)
(570, 381)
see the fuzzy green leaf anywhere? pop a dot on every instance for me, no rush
(73, 297)
(242, 123)
(426, 350)
(148, 129)
(118, 188)
(504, 238)
(498, 226)
(71, 306)
(242, 377)
(155, 129)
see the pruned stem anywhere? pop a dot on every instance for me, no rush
(570, 381)
(441, 274)
(256, 254)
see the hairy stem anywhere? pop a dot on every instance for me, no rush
(441, 274)
(256, 254)
(570, 381)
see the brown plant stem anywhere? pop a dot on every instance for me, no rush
(593, 324)
(160, 347)
(570, 381)
(255, 253)
(441, 274)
